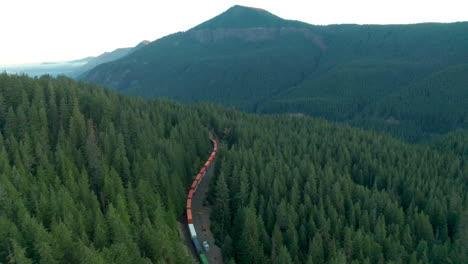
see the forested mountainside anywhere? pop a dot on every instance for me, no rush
(298, 190)
(106, 57)
(88, 176)
(455, 142)
(407, 80)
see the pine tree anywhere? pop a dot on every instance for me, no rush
(248, 247)
(316, 250)
(18, 255)
(283, 256)
(222, 210)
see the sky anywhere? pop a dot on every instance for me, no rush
(59, 30)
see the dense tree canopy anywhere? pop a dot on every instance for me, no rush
(88, 176)
(307, 191)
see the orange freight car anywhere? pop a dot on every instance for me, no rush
(189, 204)
(189, 216)
(194, 185)
(190, 194)
(199, 176)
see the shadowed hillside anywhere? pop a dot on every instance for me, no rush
(257, 62)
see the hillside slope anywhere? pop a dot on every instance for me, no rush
(89, 176)
(107, 57)
(257, 62)
(301, 190)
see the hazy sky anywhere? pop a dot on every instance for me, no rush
(57, 30)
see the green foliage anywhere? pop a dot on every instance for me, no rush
(406, 80)
(307, 191)
(455, 142)
(88, 176)
(221, 210)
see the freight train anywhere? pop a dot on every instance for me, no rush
(192, 191)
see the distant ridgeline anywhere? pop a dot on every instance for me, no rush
(408, 80)
(74, 69)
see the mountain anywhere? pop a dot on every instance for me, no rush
(108, 57)
(366, 75)
(242, 17)
(73, 68)
(91, 176)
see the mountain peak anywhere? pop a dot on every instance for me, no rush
(142, 44)
(241, 7)
(242, 17)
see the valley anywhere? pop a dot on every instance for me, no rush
(363, 75)
(247, 138)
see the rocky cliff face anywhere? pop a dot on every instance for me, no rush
(254, 34)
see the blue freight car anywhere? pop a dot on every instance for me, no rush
(197, 245)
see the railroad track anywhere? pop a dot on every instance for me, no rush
(198, 221)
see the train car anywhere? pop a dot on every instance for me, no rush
(189, 216)
(194, 185)
(193, 189)
(197, 245)
(199, 177)
(203, 259)
(193, 234)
